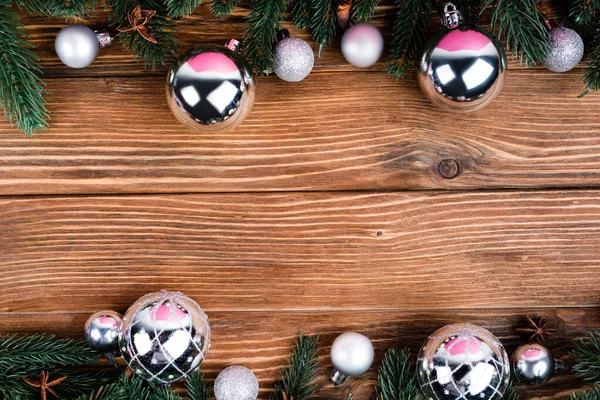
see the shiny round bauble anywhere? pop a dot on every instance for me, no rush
(211, 89)
(294, 59)
(102, 331)
(236, 383)
(463, 362)
(565, 50)
(462, 69)
(164, 336)
(533, 364)
(362, 45)
(351, 355)
(77, 46)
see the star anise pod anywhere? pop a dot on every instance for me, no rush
(45, 384)
(536, 329)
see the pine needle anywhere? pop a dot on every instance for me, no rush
(181, 8)
(583, 13)
(363, 10)
(587, 357)
(223, 8)
(197, 388)
(297, 381)
(591, 394)
(323, 22)
(396, 377)
(591, 75)
(302, 14)
(57, 8)
(263, 24)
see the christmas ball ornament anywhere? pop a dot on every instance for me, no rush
(565, 50)
(77, 46)
(351, 355)
(463, 362)
(362, 45)
(463, 68)
(533, 364)
(164, 336)
(236, 383)
(294, 58)
(211, 89)
(102, 331)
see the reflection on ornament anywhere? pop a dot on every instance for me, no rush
(533, 364)
(463, 362)
(211, 88)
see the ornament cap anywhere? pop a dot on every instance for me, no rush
(104, 38)
(337, 377)
(452, 17)
(559, 366)
(283, 34)
(234, 45)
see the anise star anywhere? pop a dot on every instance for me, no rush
(138, 19)
(45, 385)
(537, 329)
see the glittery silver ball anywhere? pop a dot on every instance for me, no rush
(236, 383)
(294, 59)
(77, 46)
(565, 50)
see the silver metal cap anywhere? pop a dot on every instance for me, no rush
(337, 377)
(103, 38)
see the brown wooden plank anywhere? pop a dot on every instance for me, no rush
(303, 251)
(335, 132)
(262, 341)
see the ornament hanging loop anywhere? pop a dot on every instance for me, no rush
(452, 17)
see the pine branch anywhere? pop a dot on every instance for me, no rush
(21, 88)
(510, 393)
(591, 394)
(587, 357)
(363, 10)
(583, 12)
(162, 392)
(133, 388)
(591, 75)
(323, 22)
(297, 381)
(396, 377)
(223, 8)
(197, 388)
(301, 13)
(159, 26)
(57, 8)
(522, 24)
(408, 35)
(78, 383)
(181, 8)
(263, 24)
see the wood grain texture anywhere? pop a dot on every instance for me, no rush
(303, 251)
(262, 340)
(361, 131)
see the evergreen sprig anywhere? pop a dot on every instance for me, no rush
(587, 357)
(126, 388)
(522, 24)
(181, 8)
(161, 27)
(396, 378)
(297, 381)
(323, 22)
(223, 8)
(57, 8)
(591, 75)
(21, 88)
(510, 393)
(263, 24)
(196, 386)
(582, 13)
(363, 10)
(301, 13)
(408, 35)
(591, 394)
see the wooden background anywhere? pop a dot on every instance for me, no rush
(324, 212)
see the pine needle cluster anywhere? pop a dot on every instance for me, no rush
(591, 394)
(297, 381)
(363, 10)
(57, 8)
(263, 24)
(223, 8)
(396, 378)
(181, 8)
(591, 75)
(323, 22)
(587, 357)
(302, 14)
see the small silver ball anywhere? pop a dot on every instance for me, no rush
(77, 46)
(352, 353)
(294, 59)
(533, 364)
(565, 50)
(362, 45)
(102, 331)
(236, 383)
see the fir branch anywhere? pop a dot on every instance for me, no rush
(591, 394)
(591, 75)
(81, 382)
(583, 12)
(363, 10)
(181, 8)
(263, 24)
(301, 13)
(587, 357)
(408, 35)
(197, 388)
(21, 88)
(396, 377)
(57, 8)
(133, 388)
(510, 393)
(162, 392)
(159, 26)
(522, 24)
(223, 8)
(297, 381)
(323, 22)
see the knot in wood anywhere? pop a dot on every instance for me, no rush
(448, 169)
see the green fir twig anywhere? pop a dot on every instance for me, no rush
(591, 75)
(263, 24)
(302, 14)
(197, 388)
(323, 22)
(510, 393)
(57, 8)
(181, 8)
(363, 10)
(396, 378)
(590, 394)
(587, 357)
(223, 8)
(582, 13)
(297, 381)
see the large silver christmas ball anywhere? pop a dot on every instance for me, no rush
(211, 89)
(362, 45)
(164, 336)
(351, 355)
(236, 383)
(77, 46)
(463, 362)
(565, 50)
(462, 69)
(294, 59)
(533, 364)
(102, 331)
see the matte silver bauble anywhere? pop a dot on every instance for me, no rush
(236, 383)
(77, 46)
(565, 50)
(102, 331)
(164, 336)
(351, 355)
(533, 364)
(362, 45)
(463, 68)
(294, 58)
(211, 89)
(463, 362)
